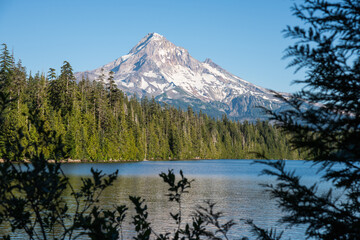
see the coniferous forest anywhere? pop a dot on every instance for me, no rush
(95, 121)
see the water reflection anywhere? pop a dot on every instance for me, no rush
(232, 184)
(236, 198)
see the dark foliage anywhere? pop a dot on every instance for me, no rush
(324, 120)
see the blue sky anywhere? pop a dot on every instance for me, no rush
(242, 36)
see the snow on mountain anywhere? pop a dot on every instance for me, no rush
(156, 67)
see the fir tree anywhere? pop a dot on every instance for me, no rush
(324, 120)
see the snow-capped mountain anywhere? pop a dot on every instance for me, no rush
(156, 67)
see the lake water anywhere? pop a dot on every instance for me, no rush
(233, 184)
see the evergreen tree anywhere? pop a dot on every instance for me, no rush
(63, 89)
(324, 120)
(7, 131)
(6, 72)
(6, 64)
(111, 87)
(51, 74)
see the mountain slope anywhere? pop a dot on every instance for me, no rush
(156, 67)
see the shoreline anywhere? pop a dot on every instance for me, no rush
(77, 161)
(145, 160)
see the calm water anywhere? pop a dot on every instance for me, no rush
(232, 184)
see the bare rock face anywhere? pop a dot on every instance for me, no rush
(155, 67)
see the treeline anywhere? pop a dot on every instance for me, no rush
(95, 121)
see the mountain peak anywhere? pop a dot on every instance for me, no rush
(155, 36)
(157, 67)
(149, 38)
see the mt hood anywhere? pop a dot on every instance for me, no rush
(155, 67)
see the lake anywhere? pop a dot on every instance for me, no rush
(233, 184)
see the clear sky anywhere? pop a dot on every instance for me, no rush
(242, 36)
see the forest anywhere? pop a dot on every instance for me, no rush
(95, 121)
